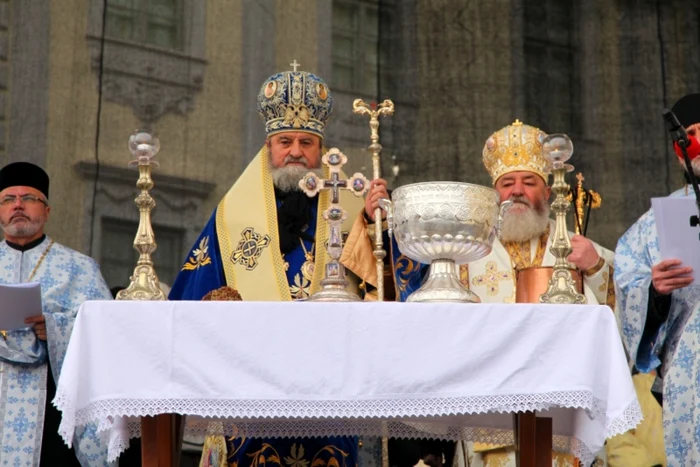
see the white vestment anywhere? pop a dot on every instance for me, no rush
(67, 279)
(673, 349)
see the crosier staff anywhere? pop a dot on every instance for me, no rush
(375, 111)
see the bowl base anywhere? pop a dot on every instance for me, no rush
(443, 285)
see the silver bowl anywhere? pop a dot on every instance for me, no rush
(444, 224)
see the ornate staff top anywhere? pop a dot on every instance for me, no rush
(584, 198)
(374, 111)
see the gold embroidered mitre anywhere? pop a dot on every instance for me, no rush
(515, 148)
(295, 101)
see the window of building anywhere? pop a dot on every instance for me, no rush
(150, 22)
(119, 257)
(355, 45)
(167, 35)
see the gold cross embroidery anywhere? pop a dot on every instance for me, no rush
(250, 248)
(492, 278)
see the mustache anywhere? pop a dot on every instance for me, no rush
(298, 160)
(521, 200)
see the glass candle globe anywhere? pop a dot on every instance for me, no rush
(143, 146)
(557, 148)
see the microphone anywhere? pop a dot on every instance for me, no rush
(677, 130)
(682, 145)
(693, 148)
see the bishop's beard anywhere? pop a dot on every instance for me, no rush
(286, 179)
(523, 220)
(294, 207)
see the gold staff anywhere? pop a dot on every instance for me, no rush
(375, 111)
(584, 198)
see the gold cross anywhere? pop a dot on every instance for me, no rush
(491, 278)
(295, 65)
(250, 248)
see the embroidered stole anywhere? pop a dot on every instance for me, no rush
(520, 253)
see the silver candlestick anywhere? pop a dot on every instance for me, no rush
(557, 149)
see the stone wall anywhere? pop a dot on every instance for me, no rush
(599, 71)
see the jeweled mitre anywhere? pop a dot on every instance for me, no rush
(295, 101)
(517, 147)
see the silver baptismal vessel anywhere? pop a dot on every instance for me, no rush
(444, 224)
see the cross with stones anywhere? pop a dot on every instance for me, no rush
(295, 65)
(311, 184)
(491, 278)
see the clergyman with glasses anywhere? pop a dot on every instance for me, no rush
(30, 357)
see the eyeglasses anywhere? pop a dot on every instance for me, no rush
(9, 200)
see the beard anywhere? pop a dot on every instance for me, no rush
(27, 228)
(695, 164)
(523, 220)
(287, 178)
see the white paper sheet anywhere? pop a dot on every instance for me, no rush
(678, 239)
(17, 303)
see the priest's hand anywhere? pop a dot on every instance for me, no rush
(669, 275)
(377, 191)
(584, 255)
(39, 323)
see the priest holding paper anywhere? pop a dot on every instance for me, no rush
(660, 318)
(31, 356)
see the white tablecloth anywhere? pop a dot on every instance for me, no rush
(449, 371)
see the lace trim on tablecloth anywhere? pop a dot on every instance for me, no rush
(377, 417)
